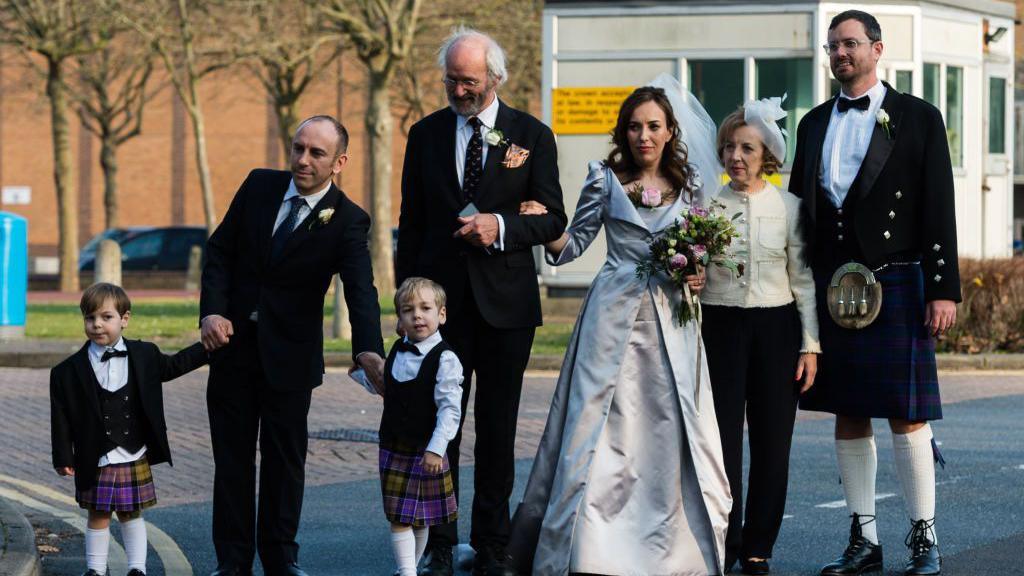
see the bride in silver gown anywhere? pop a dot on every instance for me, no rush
(629, 477)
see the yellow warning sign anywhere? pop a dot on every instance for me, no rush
(586, 110)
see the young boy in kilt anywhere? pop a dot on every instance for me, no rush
(107, 423)
(422, 408)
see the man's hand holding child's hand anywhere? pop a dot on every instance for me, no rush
(65, 471)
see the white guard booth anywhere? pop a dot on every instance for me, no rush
(956, 54)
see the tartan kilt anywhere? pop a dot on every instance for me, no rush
(886, 369)
(412, 496)
(126, 487)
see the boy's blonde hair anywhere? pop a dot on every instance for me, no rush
(94, 296)
(412, 285)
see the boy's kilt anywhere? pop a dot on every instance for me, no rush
(124, 487)
(885, 370)
(412, 496)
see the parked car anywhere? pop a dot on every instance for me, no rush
(147, 248)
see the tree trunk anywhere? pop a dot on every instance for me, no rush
(286, 121)
(379, 127)
(202, 162)
(108, 160)
(67, 204)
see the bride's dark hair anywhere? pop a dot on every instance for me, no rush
(674, 164)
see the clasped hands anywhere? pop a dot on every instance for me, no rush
(479, 229)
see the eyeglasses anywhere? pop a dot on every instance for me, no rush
(468, 84)
(849, 45)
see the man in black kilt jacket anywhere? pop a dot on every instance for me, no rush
(873, 168)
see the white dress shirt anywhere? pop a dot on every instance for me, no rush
(112, 376)
(286, 205)
(463, 133)
(846, 144)
(447, 391)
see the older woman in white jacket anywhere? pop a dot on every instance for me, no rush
(761, 330)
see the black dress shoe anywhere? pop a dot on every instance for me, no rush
(756, 567)
(730, 560)
(924, 552)
(860, 557)
(439, 562)
(136, 572)
(231, 571)
(493, 561)
(292, 569)
(91, 572)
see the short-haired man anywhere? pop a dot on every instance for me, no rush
(872, 166)
(268, 267)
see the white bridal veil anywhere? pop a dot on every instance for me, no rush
(697, 131)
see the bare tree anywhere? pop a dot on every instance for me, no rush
(110, 95)
(185, 38)
(288, 45)
(56, 31)
(382, 33)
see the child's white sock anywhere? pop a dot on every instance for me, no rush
(97, 545)
(403, 543)
(421, 535)
(915, 466)
(858, 464)
(134, 534)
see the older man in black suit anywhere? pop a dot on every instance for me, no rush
(268, 267)
(467, 169)
(873, 168)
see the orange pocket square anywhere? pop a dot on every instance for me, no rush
(515, 156)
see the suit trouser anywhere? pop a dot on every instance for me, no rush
(752, 355)
(498, 357)
(243, 410)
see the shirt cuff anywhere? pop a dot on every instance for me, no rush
(438, 445)
(499, 244)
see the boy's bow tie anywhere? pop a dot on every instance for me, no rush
(112, 353)
(404, 346)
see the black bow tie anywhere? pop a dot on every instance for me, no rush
(404, 346)
(861, 103)
(111, 353)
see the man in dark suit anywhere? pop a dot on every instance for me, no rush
(873, 168)
(268, 267)
(481, 159)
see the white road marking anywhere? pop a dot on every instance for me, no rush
(166, 548)
(842, 503)
(117, 562)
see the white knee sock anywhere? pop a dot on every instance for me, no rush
(421, 535)
(97, 545)
(915, 465)
(134, 534)
(858, 464)
(403, 544)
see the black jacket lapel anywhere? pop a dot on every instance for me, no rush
(310, 223)
(87, 378)
(446, 140)
(267, 218)
(815, 141)
(881, 145)
(495, 154)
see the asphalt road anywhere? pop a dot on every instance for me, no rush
(980, 515)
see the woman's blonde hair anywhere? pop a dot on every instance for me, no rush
(733, 122)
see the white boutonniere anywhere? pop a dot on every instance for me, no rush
(322, 217)
(495, 137)
(882, 117)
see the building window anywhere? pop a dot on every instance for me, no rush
(996, 115)
(718, 84)
(904, 81)
(955, 113)
(931, 84)
(792, 76)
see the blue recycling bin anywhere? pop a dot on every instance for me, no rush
(13, 275)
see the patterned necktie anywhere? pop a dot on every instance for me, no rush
(280, 237)
(112, 353)
(474, 166)
(862, 103)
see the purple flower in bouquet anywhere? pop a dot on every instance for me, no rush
(698, 251)
(678, 262)
(699, 211)
(650, 197)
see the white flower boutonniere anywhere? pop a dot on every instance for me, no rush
(882, 117)
(495, 138)
(322, 217)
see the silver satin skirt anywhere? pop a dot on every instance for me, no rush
(642, 511)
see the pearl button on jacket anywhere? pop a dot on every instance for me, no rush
(770, 248)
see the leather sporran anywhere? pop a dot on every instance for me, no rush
(854, 296)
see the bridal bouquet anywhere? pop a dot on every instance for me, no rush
(701, 237)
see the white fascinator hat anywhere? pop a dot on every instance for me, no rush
(764, 115)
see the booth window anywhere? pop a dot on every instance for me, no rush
(718, 84)
(996, 115)
(955, 113)
(792, 76)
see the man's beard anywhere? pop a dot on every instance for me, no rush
(470, 104)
